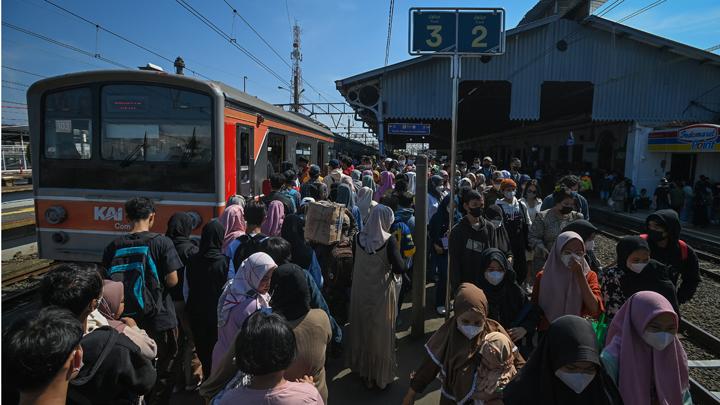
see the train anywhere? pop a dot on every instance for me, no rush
(102, 137)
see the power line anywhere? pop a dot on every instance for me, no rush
(12, 102)
(15, 83)
(389, 31)
(99, 27)
(235, 12)
(64, 45)
(713, 48)
(228, 38)
(642, 10)
(23, 71)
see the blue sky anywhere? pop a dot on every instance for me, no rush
(339, 38)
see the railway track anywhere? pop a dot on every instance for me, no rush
(696, 334)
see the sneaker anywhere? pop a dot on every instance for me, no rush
(440, 310)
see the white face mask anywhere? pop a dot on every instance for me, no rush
(637, 267)
(496, 222)
(439, 189)
(567, 258)
(494, 277)
(402, 162)
(509, 194)
(590, 245)
(575, 381)
(476, 226)
(658, 340)
(470, 331)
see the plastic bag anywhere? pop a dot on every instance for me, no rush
(600, 326)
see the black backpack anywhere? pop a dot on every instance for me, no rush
(133, 266)
(248, 246)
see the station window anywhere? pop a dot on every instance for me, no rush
(68, 124)
(303, 150)
(155, 124)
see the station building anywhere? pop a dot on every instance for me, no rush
(573, 90)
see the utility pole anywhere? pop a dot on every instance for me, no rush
(244, 84)
(296, 57)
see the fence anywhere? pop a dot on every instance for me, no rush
(15, 158)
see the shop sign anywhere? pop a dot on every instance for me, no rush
(693, 139)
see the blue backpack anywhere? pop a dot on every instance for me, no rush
(133, 266)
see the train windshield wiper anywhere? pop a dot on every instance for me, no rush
(135, 154)
(189, 150)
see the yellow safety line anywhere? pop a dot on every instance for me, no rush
(21, 211)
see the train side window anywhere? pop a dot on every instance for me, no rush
(68, 124)
(275, 151)
(303, 150)
(243, 154)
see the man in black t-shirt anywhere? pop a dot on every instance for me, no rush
(162, 327)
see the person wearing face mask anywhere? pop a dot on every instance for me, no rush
(566, 286)
(547, 226)
(468, 239)
(507, 301)
(634, 272)
(565, 369)
(573, 184)
(494, 215)
(487, 168)
(493, 193)
(517, 224)
(531, 198)
(515, 174)
(663, 238)
(454, 350)
(436, 193)
(438, 234)
(587, 232)
(644, 355)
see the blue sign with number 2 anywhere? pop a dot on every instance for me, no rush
(477, 31)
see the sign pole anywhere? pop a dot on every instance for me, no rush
(453, 158)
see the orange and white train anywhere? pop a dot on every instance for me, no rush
(101, 137)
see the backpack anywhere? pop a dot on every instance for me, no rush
(133, 266)
(248, 246)
(681, 243)
(341, 268)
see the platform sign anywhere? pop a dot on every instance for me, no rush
(464, 31)
(409, 129)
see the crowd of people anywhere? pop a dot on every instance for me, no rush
(250, 311)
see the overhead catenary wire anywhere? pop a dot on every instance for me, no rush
(64, 45)
(389, 31)
(22, 71)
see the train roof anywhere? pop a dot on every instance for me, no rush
(229, 92)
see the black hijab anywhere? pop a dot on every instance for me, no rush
(569, 339)
(501, 236)
(290, 292)
(505, 300)
(293, 231)
(654, 277)
(433, 183)
(179, 228)
(207, 272)
(585, 229)
(211, 240)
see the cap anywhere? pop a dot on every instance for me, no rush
(334, 163)
(487, 158)
(314, 170)
(387, 160)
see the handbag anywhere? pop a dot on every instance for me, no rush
(600, 327)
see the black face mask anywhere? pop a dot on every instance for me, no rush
(566, 210)
(476, 212)
(486, 165)
(655, 236)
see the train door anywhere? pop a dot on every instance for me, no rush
(245, 161)
(682, 166)
(321, 154)
(275, 151)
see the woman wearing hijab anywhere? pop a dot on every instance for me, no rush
(587, 232)
(241, 296)
(436, 193)
(564, 369)
(494, 214)
(496, 368)
(387, 184)
(365, 203)
(634, 271)
(373, 300)
(411, 179)
(346, 197)
(507, 301)
(207, 274)
(233, 220)
(454, 350)
(111, 306)
(566, 286)
(291, 299)
(274, 220)
(293, 231)
(367, 181)
(644, 355)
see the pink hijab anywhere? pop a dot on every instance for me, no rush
(638, 362)
(559, 293)
(387, 182)
(109, 305)
(274, 220)
(233, 219)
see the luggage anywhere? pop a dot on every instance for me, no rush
(133, 266)
(323, 222)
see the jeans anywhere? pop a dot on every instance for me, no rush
(440, 266)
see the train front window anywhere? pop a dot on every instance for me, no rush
(155, 124)
(68, 124)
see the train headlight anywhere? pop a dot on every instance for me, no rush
(55, 215)
(196, 218)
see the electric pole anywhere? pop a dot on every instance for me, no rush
(296, 57)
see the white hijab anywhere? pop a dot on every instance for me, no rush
(411, 181)
(364, 202)
(244, 286)
(377, 229)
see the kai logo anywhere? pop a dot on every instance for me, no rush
(107, 213)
